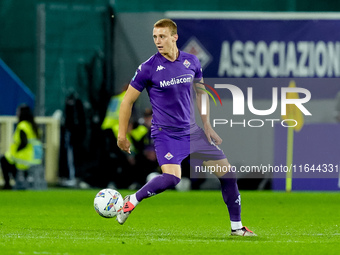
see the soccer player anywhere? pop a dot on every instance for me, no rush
(172, 79)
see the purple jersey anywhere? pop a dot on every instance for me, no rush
(169, 86)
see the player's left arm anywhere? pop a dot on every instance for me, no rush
(209, 131)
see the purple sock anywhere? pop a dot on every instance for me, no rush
(231, 196)
(157, 185)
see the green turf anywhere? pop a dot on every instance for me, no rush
(64, 222)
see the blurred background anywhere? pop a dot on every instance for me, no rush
(67, 58)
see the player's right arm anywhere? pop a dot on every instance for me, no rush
(124, 116)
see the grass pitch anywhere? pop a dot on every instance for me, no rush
(64, 222)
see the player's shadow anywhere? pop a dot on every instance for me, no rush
(221, 238)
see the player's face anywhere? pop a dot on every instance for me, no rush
(164, 41)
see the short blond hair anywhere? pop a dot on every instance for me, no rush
(167, 23)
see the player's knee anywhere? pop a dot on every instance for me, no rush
(172, 169)
(173, 180)
(228, 180)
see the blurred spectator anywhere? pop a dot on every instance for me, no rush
(73, 133)
(145, 155)
(25, 152)
(114, 163)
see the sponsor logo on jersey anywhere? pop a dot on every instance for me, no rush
(177, 80)
(159, 68)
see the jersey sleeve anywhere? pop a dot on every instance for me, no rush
(140, 79)
(198, 70)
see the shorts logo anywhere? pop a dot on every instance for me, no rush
(186, 63)
(168, 156)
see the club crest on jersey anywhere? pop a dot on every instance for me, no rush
(186, 63)
(168, 156)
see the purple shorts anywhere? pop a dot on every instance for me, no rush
(172, 149)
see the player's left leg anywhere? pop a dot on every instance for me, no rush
(170, 152)
(230, 194)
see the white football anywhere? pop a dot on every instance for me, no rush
(108, 202)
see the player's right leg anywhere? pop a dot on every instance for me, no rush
(170, 152)
(169, 179)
